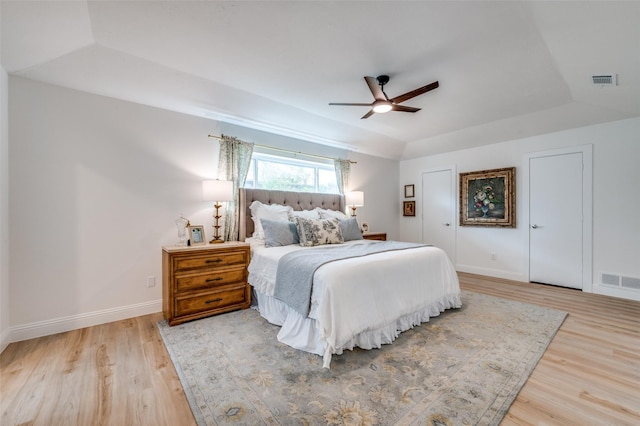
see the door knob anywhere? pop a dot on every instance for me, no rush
(446, 224)
(534, 226)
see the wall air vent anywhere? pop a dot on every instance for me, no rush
(610, 279)
(605, 80)
(630, 282)
(620, 281)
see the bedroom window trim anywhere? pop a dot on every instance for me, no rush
(317, 166)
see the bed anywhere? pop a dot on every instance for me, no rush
(363, 301)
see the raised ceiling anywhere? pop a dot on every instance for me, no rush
(506, 69)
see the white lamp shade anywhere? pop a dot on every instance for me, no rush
(354, 198)
(217, 190)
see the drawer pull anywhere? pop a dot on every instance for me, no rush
(214, 300)
(213, 261)
(209, 280)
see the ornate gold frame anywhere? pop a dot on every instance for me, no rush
(488, 198)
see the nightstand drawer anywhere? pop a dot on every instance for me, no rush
(209, 261)
(199, 303)
(210, 280)
(380, 236)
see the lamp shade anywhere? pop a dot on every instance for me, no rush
(354, 198)
(217, 190)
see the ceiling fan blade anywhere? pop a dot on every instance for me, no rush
(376, 90)
(367, 115)
(404, 108)
(348, 104)
(414, 93)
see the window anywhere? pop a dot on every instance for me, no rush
(291, 174)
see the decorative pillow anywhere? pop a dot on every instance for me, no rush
(278, 234)
(330, 214)
(307, 214)
(274, 212)
(350, 229)
(319, 232)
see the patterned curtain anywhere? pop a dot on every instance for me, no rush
(343, 169)
(234, 162)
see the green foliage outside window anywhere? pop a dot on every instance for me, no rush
(287, 174)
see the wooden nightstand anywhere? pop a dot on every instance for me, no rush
(381, 236)
(200, 281)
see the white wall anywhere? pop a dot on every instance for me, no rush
(378, 179)
(96, 185)
(4, 211)
(616, 201)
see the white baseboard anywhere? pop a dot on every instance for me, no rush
(624, 293)
(498, 273)
(4, 340)
(605, 290)
(73, 322)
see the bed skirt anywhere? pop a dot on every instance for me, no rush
(303, 333)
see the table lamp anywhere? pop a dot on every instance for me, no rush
(217, 191)
(354, 199)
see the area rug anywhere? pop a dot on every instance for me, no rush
(464, 367)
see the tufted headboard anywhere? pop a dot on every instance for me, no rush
(297, 200)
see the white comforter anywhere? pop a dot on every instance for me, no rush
(365, 301)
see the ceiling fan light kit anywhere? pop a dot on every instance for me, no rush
(382, 106)
(382, 103)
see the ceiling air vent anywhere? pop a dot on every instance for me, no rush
(605, 79)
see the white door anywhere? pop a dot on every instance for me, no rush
(556, 220)
(438, 210)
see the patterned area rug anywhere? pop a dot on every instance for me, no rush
(464, 367)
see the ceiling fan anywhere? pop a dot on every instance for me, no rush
(382, 102)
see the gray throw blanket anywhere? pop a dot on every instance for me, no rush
(294, 276)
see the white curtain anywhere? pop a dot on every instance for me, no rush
(233, 164)
(343, 170)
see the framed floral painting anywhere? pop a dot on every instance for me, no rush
(488, 198)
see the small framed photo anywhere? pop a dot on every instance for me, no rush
(196, 235)
(409, 208)
(409, 191)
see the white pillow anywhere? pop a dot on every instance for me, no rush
(274, 212)
(330, 214)
(305, 214)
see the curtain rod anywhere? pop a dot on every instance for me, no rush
(288, 150)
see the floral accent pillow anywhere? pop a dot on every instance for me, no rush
(307, 214)
(318, 232)
(330, 214)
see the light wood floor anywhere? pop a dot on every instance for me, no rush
(120, 373)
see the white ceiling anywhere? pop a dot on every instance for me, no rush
(506, 69)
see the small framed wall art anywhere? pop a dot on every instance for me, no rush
(408, 208)
(488, 198)
(196, 235)
(409, 191)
